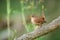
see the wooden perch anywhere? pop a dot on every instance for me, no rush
(41, 31)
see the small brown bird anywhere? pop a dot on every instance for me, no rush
(38, 20)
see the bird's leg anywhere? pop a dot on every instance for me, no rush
(40, 25)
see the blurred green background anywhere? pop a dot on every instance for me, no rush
(20, 10)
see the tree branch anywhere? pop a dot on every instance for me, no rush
(41, 31)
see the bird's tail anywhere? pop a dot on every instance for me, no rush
(43, 14)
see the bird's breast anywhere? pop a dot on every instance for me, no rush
(33, 20)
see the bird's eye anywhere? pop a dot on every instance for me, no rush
(32, 15)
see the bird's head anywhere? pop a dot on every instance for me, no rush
(32, 15)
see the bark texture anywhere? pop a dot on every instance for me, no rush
(41, 31)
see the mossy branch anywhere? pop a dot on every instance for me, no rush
(41, 31)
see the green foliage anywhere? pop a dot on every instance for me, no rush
(28, 7)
